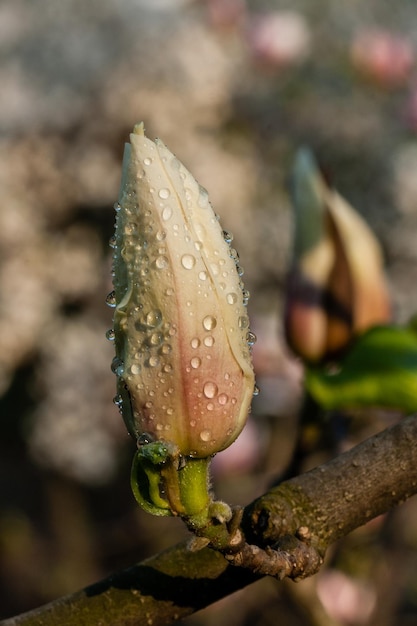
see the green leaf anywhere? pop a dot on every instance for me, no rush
(380, 369)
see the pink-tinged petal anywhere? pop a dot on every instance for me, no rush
(180, 323)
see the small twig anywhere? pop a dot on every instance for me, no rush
(291, 557)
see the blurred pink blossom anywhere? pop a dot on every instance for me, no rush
(384, 57)
(279, 38)
(225, 14)
(345, 599)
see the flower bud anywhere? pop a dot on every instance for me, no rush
(182, 357)
(336, 287)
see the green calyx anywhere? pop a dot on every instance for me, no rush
(165, 483)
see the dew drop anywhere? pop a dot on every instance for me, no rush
(209, 322)
(245, 297)
(202, 275)
(228, 237)
(118, 401)
(209, 341)
(195, 342)
(161, 235)
(164, 193)
(231, 298)
(188, 261)
(144, 439)
(205, 435)
(135, 369)
(210, 390)
(250, 338)
(117, 366)
(112, 241)
(193, 423)
(195, 362)
(210, 406)
(256, 390)
(117, 206)
(166, 213)
(167, 368)
(165, 349)
(147, 161)
(155, 339)
(111, 299)
(110, 335)
(243, 321)
(239, 269)
(161, 262)
(169, 291)
(154, 318)
(203, 200)
(153, 361)
(223, 399)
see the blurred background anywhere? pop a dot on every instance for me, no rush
(233, 87)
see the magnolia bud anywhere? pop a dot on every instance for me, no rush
(336, 286)
(182, 361)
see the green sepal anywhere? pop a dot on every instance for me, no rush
(380, 370)
(145, 480)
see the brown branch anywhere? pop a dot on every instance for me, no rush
(314, 509)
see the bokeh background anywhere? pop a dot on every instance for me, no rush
(233, 88)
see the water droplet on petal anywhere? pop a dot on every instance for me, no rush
(245, 297)
(231, 298)
(205, 435)
(112, 241)
(117, 206)
(195, 362)
(195, 342)
(111, 299)
(164, 193)
(155, 339)
(153, 361)
(161, 263)
(202, 275)
(223, 399)
(209, 322)
(188, 261)
(166, 213)
(117, 366)
(165, 348)
(118, 401)
(209, 341)
(154, 318)
(250, 338)
(243, 321)
(144, 439)
(135, 369)
(110, 334)
(147, 161)
(210, 390)
(228, 237)
(256, 390)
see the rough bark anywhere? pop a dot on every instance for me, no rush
(319, 506)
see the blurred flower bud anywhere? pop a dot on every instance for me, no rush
(180, 325)
(279, 38)
(383, 57)
(336, 287)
